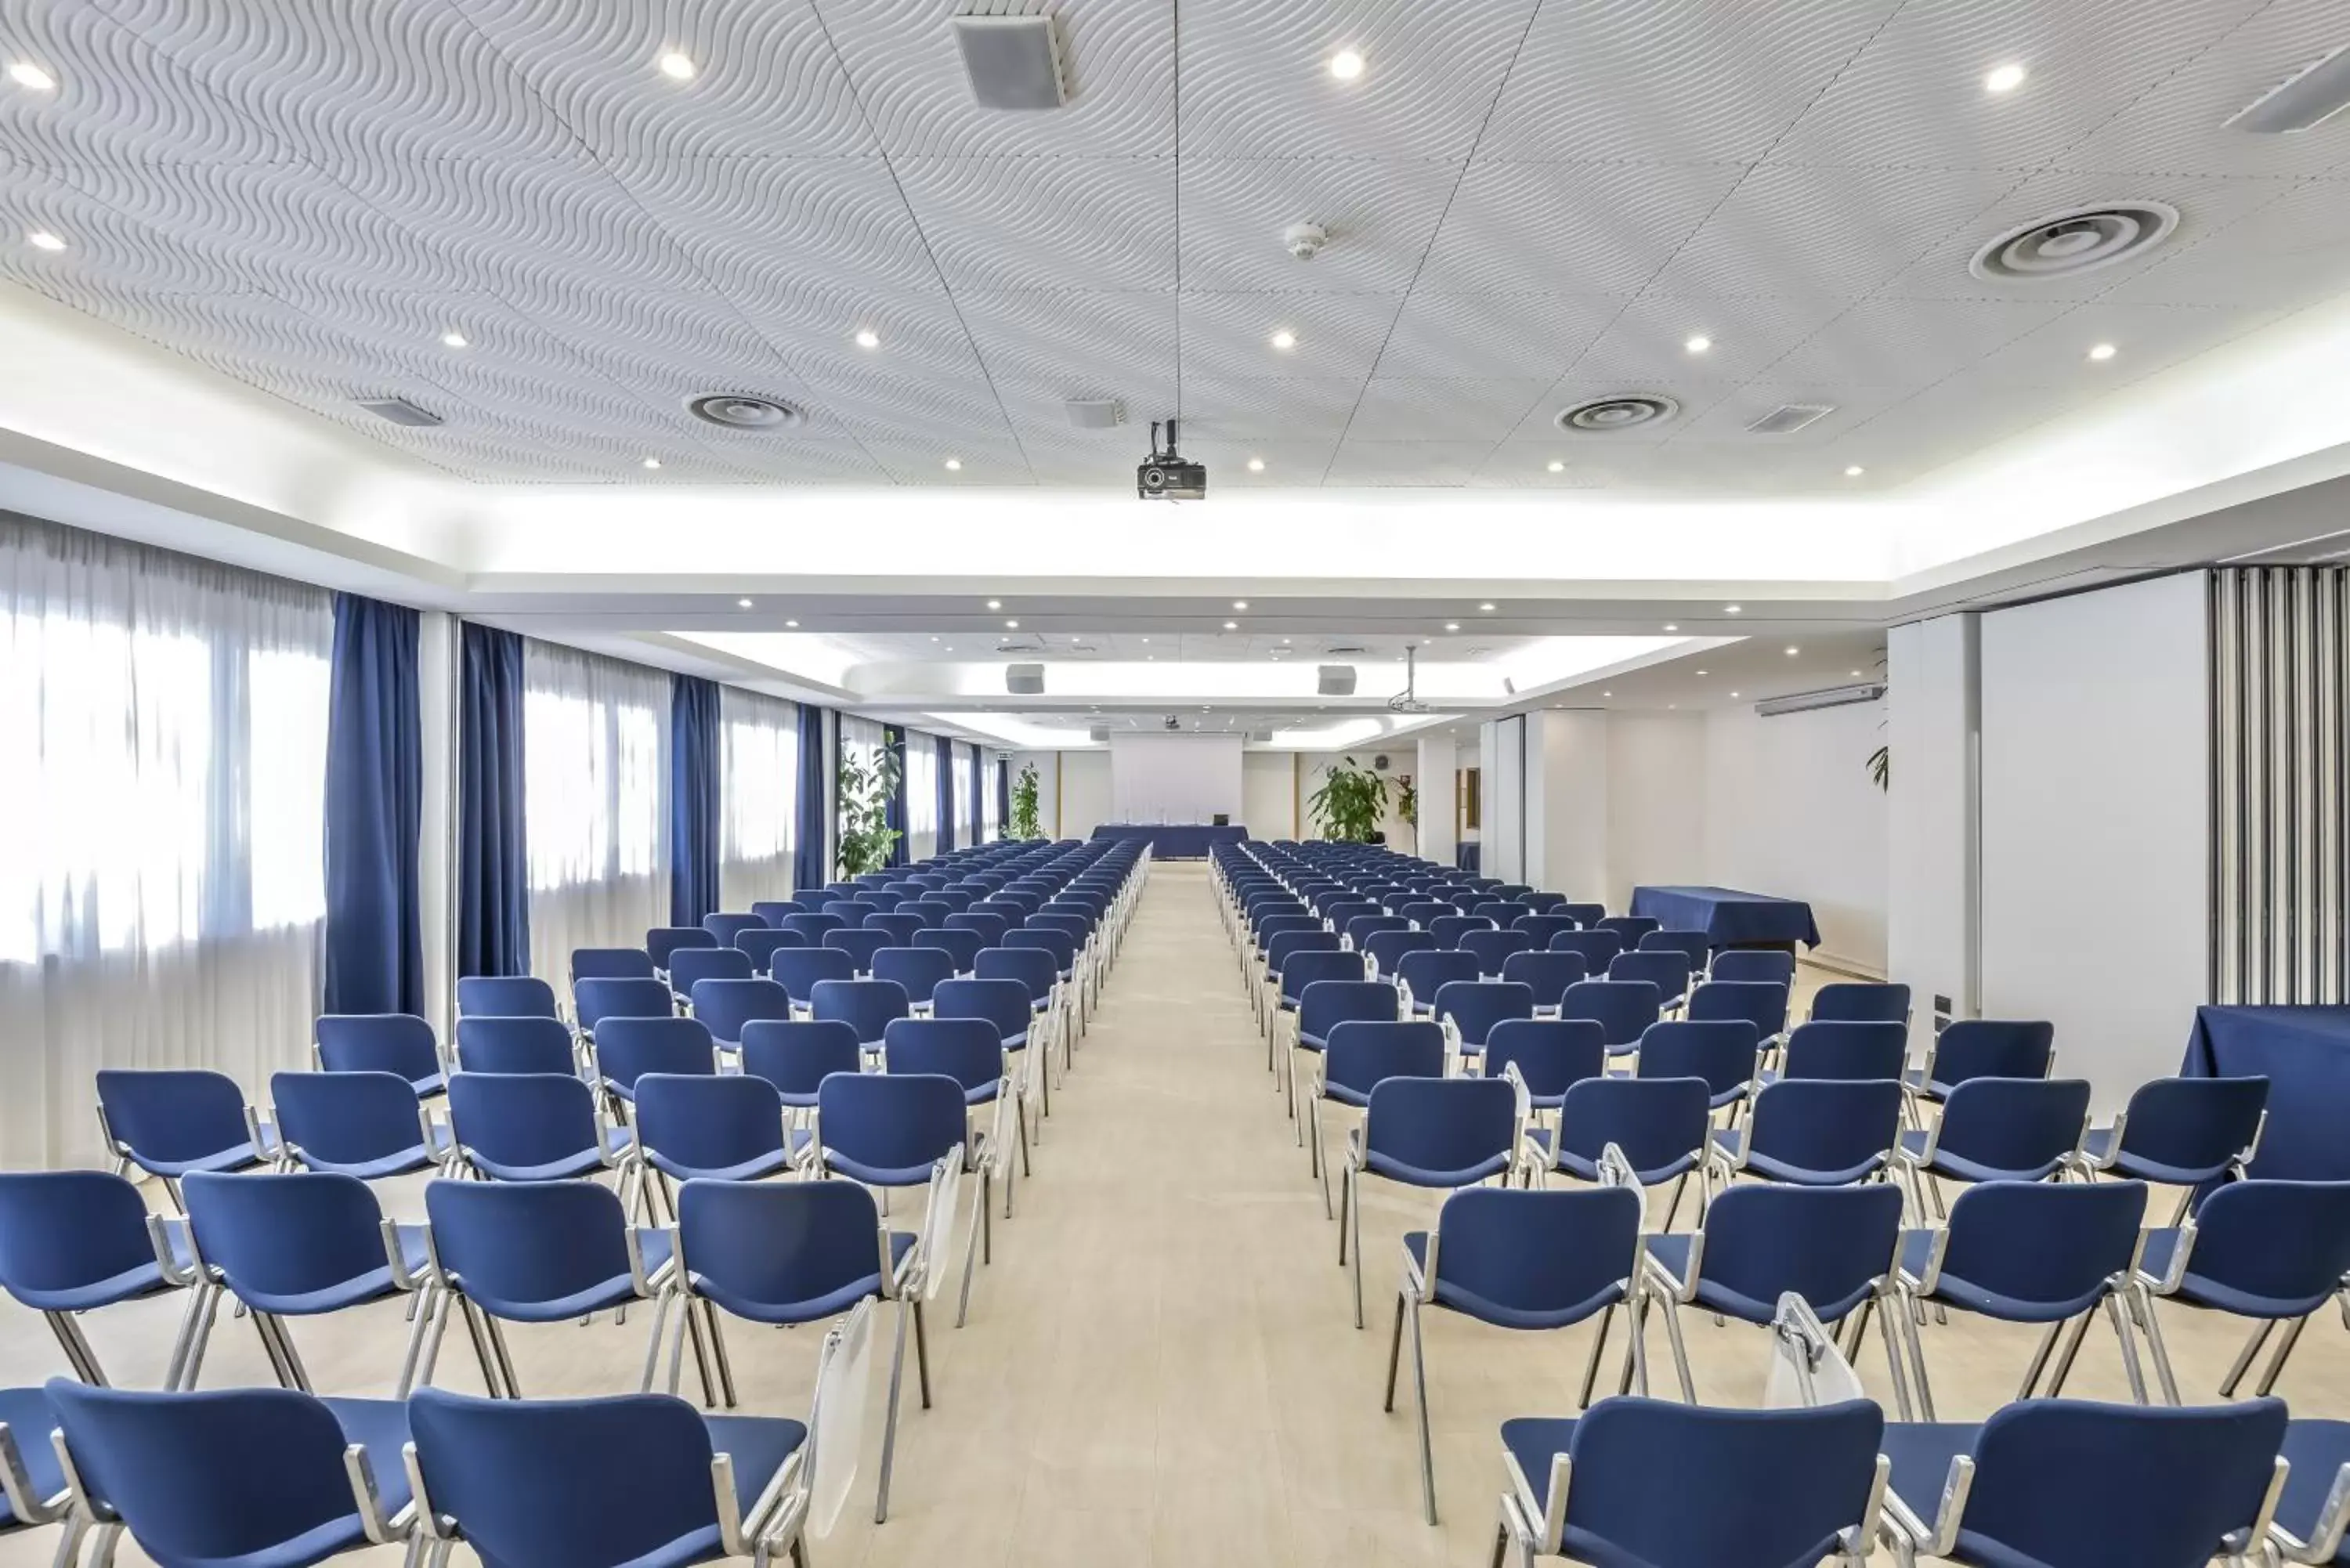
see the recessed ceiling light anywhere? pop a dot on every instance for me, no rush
(678, 67)
(1792, 651)
(1854, 471)
(934, 640)
(1555, 466)
(2004, 79)
(1256, 465)
(1232, 626)
(995, 604)
(1284, 338)
(1705, 673)
(42, 240)
(1453, 626)
(1608, 694)
(793, 624)
(743, 603)
(1486, 608)
(1240, 604)
(652, 463)
(2102, 352)
(452, 341)
(1731, 610)
(1285, 641)
(1698, 344)
(27, 75)
(1012, 626)
(1672, 704)
(1733, 693)
(1347, 64)
(1145, 639)
(954, 466)
(1670, 626)
(1855, 673)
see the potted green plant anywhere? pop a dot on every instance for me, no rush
(1024, 806)
(866, 786)
(1351, 804)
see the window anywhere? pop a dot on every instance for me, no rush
(921, 795)
(966, 804)
(757, 790)
(991, 817)
(592, 789)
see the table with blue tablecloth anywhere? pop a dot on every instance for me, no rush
(1729, 919)
(2305, 1054)
(1174, 840)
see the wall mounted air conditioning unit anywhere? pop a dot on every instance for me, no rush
(1833, 697)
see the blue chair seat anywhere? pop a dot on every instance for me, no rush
(374, 1285)
(830, 1304)
(1729, 1141)
(1964, 1169)
(1469, 1303)
(30, 1419)
(1729, 1096)
(144, 1279)
(877, 1175)
(1347, 1094)
(653, 1245)
(236, 1156)
(1394, 1169)
(1918, 1083)
(752, 1169)
(1671, 1250)
(1531, 1441)
(2098, 1146)
(616, 1141)
(1569, 1163)
(2316, 1450)
(419, 1157)
(2196, 1290)
(1317, 1043)
(1017, 1040)
(1916, 1245)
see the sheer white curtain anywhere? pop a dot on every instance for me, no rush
(921, 795)
(596, 800)
(162, 791)
(991, 820)
(757, 790)
(966, 800)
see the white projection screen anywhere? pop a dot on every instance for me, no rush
(1174, 778)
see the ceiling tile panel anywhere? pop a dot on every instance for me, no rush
(785, 460)
(1470, 335)
(1228, 336)
(1379, 217)
(1849, 405)
(1650, 337)
(754, 225)
(1074, 342)
(1046, 222)
(1424, 410)
(983, 464)
(1245, 410)
(814, 325)
(2147, 338)
(1436, 463)
(1571, 228)
(107, 248)
(118, 97)
(1908, 345)
(1694, 392)
(2290, 252)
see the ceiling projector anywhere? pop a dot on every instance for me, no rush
(1166, 476)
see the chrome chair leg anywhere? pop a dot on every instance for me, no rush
(1356, 1221)
(1888, 1326)
(921, 1353)
(655, 1340)
(1680, 1351)
(717, 1354)
(1912, 1331)
(2040, 1355)
(2128, 1345)
(889, 1421)
(2157, 1351)
(2284, 1350)
(1395, 1355)
(1420, 1403)
(2243, 1362)
(1598, 1349)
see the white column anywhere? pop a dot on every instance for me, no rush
(1433, 770)
(1932, 854)
(436, 836)
(1566, 803)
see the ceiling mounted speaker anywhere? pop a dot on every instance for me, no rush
(1337, 679)
(1097, 734)
(1013, 62)
(1025, 679)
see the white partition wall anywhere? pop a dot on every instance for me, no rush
(1503, 746)
(1438, 801)
(1931, 845)
(1084, 797)
(1566, 800)
(2095, 824)
(1269, 794)
(1174, 777)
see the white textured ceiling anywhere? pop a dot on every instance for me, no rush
(1531, 201)
(884, 648)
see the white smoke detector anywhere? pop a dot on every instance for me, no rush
(1304, 241)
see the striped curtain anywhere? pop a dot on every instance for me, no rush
(2280, 790)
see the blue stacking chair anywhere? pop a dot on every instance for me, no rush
(865, 1005)
(594, 1001)
(1549, 1055)
(1501, 911)
(1724, 1052)
(1631, 928)
(859, 945)
(2312, 1518)
(2073, 1481)
(897, 925)
(298, 1244)
(1356, 1057)
(1469, 1009)
(960, 945)
(1658, 1125)
(2183, 1132)
(1424, 1132)
(798, 1253)
(1297, 971)
(1064, 949)
(1588, 916)
(905, 1130)
(1528, 1261)
(810, 925)
(1996, 1130)
(1982, 1048)
(1833, 1246)
(74, 1241)
(33, 1487)
(1826, 1132)
(491, 1044)
(531, 1127)
(931, 907)
(1851, 1052)
(1622, 1008)
(609, 963)
(970, 1052)
(363, 1124)
(760, 943)
(724, 1006)
(688, 967)
(1662, 1485)
(504, 996)
(239, 1475)
(773, 910)
(1547, 974)
(631, 1047)
(727, 925)
(1363, 927)
(919, 970)
(2029, 1251)
(1493, 949)
(1278, 949)
(1386, 948)
(990, 925)
(541, 1253)
(1420, 911)
(2274, 1252)
(665, 943)
(1861, 1002)
(1669, 972)
(1694, 946)
(703, 1126)
(799, 969)
(1448, 929)
(1540, 928)
(1423, 974)
(1745, 966)
(1763, 1004)
(171, 1121)
(1036, 973)
(382, 1042)
(1324, 1005)
(797, 1056)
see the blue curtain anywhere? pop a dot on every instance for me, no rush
(492, 865)
(693, 804)
(809, 868)
(945, 751)
(893, 740)
(1004, 795)
(375, 804)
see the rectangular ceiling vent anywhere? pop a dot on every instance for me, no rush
(1013, 62)
(1025, 679)
(1337, 679)
(1095, 413)
(1789, 418)
(2303, 101)
(1260, 737)
(1833, 697)
(400, 412)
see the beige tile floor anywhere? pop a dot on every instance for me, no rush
(1160, 1366)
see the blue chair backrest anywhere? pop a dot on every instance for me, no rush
(1655, 1121)
(1078, 925)
(1060, 944)
(504, 996)
(1363, 927)
(2284, 1241)
(1761, 1003)
(705, 1122)
(1007, 1005)
(761, 943)
(1428, 973)
(1530, 1253)
(967, 1050)
(1694, 946)
(724, 1006)
(1598, 948)
(1823, 1125)
(1631, 928)
(349, 1119)
(1302, 970)
(688, 967)
(1830, 1245)
(665, 943)
(1290, 918)
(2015, 1124)
(1780, 1486)
(1540, 929)
(990, 927)
(1721, 1051)
(919, 970)
(512, 1474)
(1278, 950)
(899, 926)
(1585, 915)
(285, 1234)
(492, 1044)
(1474, 1006)
(1847, 1051)
(1861, 1002)
(955, 899)
(796, 1056)
(2197, 1125)
(596, 1000)
(1501, 911)
(727, 925)
(1327, 1004)
(781, 1243)
(1745, 965)
(1032, 967)
(797, 970)
(2044, 1242)
(1420, 911)
(1386, 948)
(522, 1118)
(867, 1006)
(960, 945)
(222, 1475)
(175, 1114)
(1550, 1054)
(610, 963)
(1494, 948)
(1624, 1008)
(1360, 1055)
(378, 1043)
(1452, 1125)
(813, 924)
(1668, 972)
(773, 910)
(859, 945)
(2066, 1480)
(64, 1230)
(891, 1121)
(1448, 929)
(629, 1048)
(930, 907)
(1993, 1048)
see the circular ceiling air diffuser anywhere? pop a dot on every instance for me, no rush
(742, 411)
(1604, 416)
(2076, 242)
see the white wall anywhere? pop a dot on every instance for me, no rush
(1268, 793)
(1566, 799)
(2097, 823)
(1656, 805)
(1432, 765)
(1791, 811)
(1180, 777)
(1085, 793)
(1931, 918)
